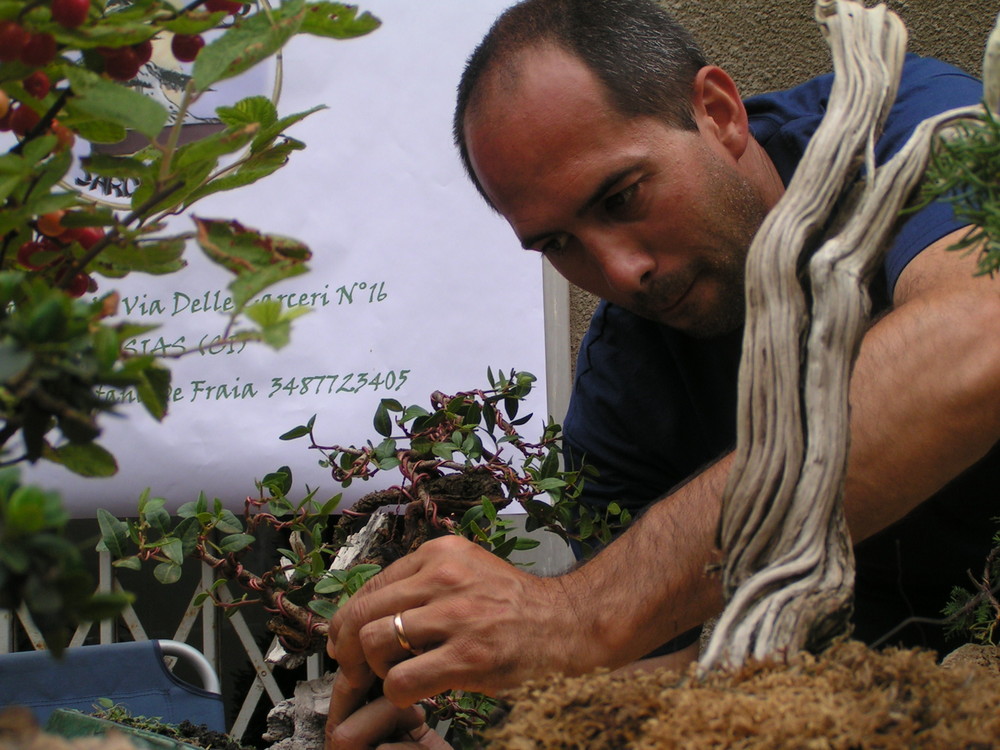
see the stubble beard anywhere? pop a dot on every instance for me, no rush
(737, 210)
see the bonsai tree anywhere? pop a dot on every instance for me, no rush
(67, 69)
(458, 463)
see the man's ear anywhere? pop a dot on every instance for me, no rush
(719, 112)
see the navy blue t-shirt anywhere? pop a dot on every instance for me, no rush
(652, 406)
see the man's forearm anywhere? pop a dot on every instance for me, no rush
(925, 406)
(653, 583)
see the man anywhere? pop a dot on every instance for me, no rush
(609, 145)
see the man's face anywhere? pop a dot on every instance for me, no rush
(650, 217)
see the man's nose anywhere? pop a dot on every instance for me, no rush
(625, 263)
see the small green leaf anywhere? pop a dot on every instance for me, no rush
(167, 572)
(173, 550)
(131, 563)
(114, 533)
(296, 432)
(235, 543)
(228, 523)
(323, 607)
(328, 585)
(382, 421)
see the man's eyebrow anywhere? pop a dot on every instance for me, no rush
(595, 197)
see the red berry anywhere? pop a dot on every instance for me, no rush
(70, 13)
(122, 64)
(23, 119)
(65, 137)
(39, 50)
(4, 104)
(30, 254)
(37, 84)
(86, 236)
(227, 6)
(13, 37)
(79, 285)
(143, 51)
(5, 121)
(50, 224)
(186, 46)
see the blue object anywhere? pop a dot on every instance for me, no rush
(132, 674)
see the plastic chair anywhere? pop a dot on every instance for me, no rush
(132, 674)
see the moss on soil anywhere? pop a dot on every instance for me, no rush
(851, 697)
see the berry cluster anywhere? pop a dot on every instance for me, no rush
(22, 118)
(51, 250)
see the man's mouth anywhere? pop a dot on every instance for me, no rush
(651, 305)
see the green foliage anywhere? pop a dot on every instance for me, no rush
(61, 343)
(58, 353)
(963, 171)
(39, 568)
(471, 435)
(975, 615)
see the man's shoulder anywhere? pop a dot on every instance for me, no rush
(784, 121)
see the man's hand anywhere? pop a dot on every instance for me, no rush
(381, 725)
(474, 621)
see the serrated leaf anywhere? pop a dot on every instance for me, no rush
(106, 100)
(258, 260)
(114, 166)
(209, 148)
(272, 130)
(249, 42)
(155, 258)
(100, 131)
(252, 109)
(337, 21)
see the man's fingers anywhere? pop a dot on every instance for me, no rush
(401, 569)
(376, 723)
(345, 699)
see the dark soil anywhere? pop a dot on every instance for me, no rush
(850, 698)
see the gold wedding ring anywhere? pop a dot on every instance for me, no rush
(397, 624)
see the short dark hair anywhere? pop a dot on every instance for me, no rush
(645, 59)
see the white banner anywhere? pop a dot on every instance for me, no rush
(415, 284)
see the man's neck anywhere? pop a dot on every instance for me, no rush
(758, 167)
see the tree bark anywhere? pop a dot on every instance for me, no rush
(789, 567)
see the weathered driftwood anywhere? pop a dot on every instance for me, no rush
(788, 570)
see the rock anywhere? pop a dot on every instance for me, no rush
(987, 657)
(298, 723)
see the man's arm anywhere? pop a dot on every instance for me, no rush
(926, 405)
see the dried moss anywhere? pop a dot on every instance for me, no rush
(851, 697)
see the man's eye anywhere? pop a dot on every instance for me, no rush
(621, 199)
